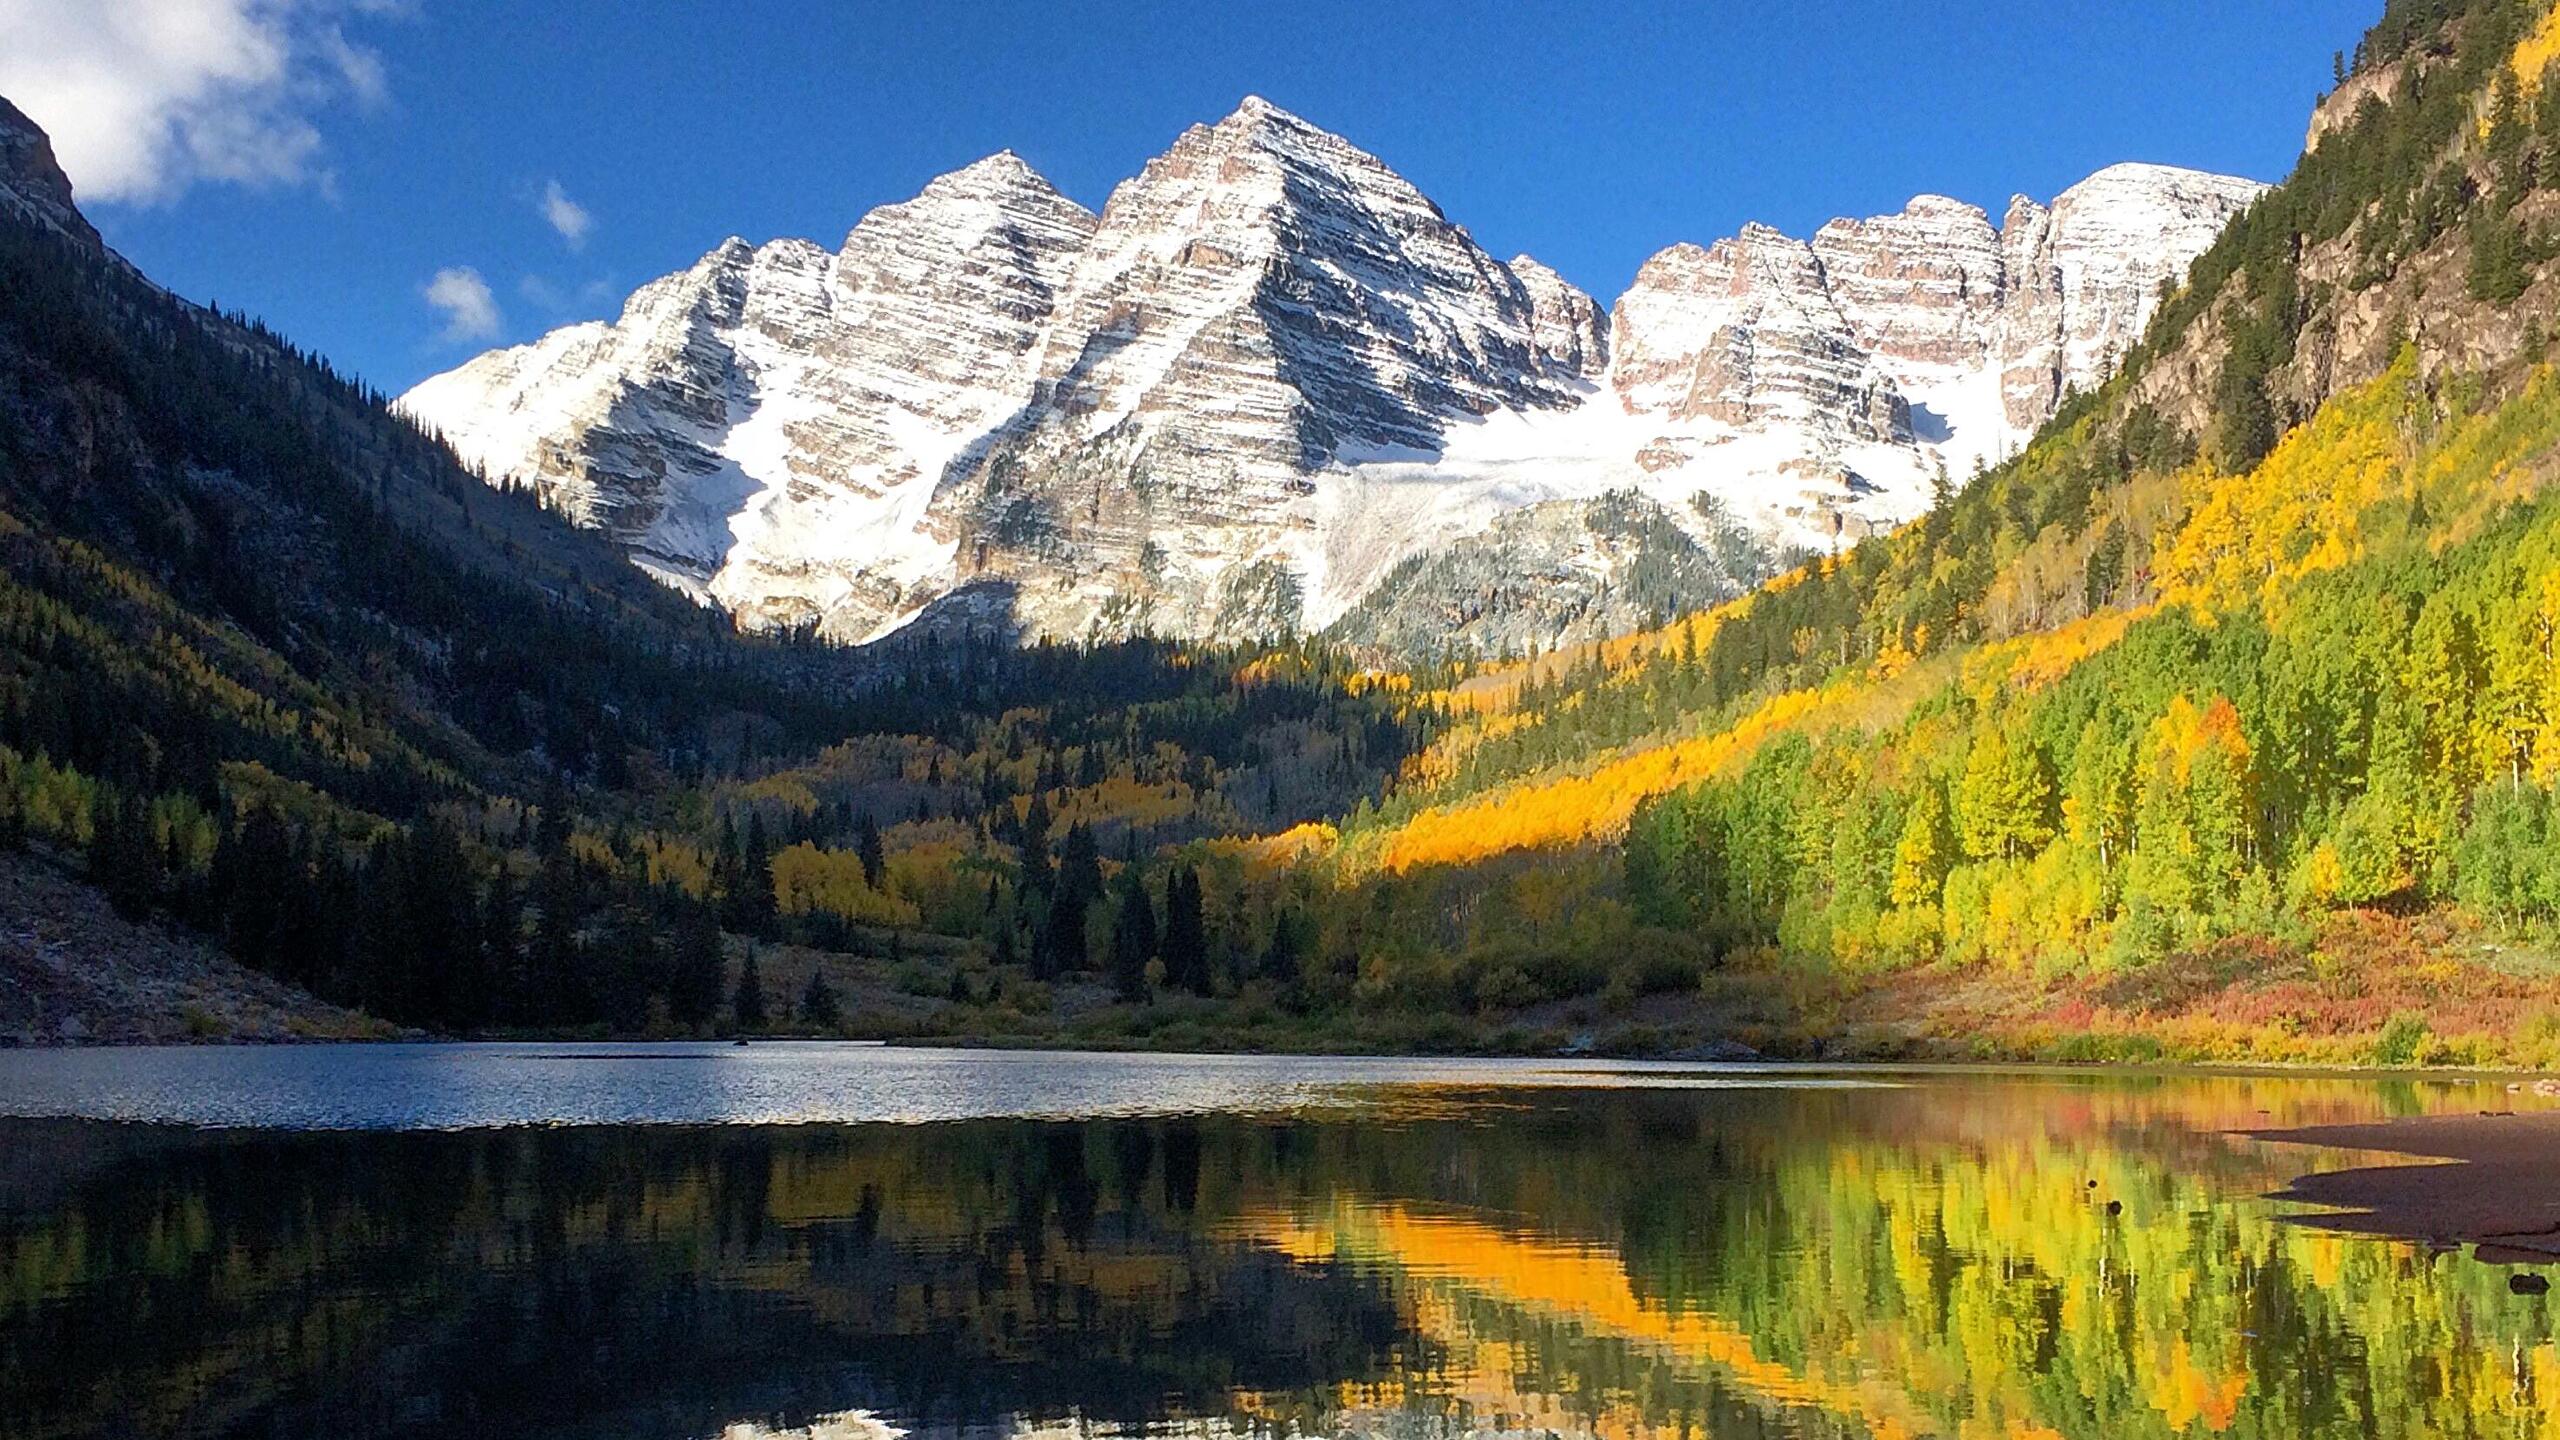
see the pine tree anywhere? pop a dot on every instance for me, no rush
(748, 1006)
(728, 868)
(696, 967)
(1035, 827)
(2498, 273)
(1280, 958)
(875, 859)
(555, 992)
(1133, 936)
(818, 1001)
(753, 904)
(124, 861)
(1057, 947)
(501, 926)
(1185, 945)
(1079, 881)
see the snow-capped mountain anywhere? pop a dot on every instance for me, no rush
(766, 429)
(1271, 371)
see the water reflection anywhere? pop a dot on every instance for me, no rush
(1963, 1256)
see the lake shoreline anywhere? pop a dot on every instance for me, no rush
(1947, 1062)
(2490, 1181)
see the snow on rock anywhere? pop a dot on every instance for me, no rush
(1569, 328)
(2085, 275)
(1260, 302)
(1271, 372)
(1888, 348)
(766, 428)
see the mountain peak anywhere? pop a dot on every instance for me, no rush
(31, 180)
(1254, 110)
(1125, 415)
(1000, 173)
(1570, 329)
(1257, 123)
(2172, 184)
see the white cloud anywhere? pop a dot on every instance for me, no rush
(470, 311)
(359, 68)
(566, 215)
(146, 97)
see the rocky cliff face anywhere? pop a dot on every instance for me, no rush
(1569, 328)
(32, 184)
(1819, 385)
(2087, 273)
(1560, 572)
(1270, 372)
(766, 429)
(1261, 303)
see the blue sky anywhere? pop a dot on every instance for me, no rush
(344, 152)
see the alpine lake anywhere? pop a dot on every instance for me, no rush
(851, 1243)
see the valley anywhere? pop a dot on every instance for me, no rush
(1252, 616)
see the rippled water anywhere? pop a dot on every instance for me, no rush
(616, 1241)
(451, 1087)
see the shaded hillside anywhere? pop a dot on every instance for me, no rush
(275, 666)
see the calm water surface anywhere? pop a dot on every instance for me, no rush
(692, 1241)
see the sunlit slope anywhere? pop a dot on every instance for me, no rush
(2263, 627)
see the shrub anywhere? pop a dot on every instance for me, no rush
(2402, 1041)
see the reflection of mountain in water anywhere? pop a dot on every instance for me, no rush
(1963, 1256)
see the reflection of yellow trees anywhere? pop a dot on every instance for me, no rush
(1981, 1286)
(1588, 1287)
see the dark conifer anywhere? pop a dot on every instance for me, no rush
(748, 1006)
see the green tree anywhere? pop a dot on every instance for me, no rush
(1133, 935)
(1185, 943)
(748, 1007)
(696, 967)
(1925, 849)
(875, 857)
(818, 1005)
(2004, 799)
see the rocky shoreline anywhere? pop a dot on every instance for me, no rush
(73, 972)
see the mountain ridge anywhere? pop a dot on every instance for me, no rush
(1172, 405)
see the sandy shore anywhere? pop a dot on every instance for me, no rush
(2495, 1183)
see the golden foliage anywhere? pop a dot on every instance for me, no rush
(2033, 662)
(807, 879)
(2536, 52)
(1123, 797)
(677, 863)
(1298, 842)
(2248, 538)
(1573, 809)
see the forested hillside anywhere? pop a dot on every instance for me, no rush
(2248, 662)
(273, 666)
